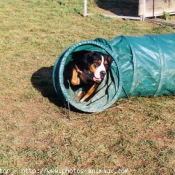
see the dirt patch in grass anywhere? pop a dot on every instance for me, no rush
(135, 136)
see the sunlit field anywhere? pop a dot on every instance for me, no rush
(135, 136)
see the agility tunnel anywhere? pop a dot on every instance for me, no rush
(141, 66)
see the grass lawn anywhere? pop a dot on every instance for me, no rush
(133, 137)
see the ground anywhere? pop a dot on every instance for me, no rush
(135, 136)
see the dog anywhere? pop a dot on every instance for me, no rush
(88, 72)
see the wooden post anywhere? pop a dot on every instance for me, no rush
(144, 10)
(85, 8)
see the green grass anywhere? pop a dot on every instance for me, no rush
(137, 137)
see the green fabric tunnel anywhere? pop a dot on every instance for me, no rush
(142, 66)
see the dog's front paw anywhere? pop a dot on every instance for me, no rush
(79, 96)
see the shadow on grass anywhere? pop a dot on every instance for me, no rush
(42, 81)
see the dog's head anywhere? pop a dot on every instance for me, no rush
(96, 65)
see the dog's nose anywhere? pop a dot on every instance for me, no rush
(102, 74)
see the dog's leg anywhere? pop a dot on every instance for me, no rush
(75, 80)
(79, 96)
(89, 92)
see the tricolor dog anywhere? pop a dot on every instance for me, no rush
(88, 72)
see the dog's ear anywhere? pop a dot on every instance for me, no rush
(87, 58)
(85, 63)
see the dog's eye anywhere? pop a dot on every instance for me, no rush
(96, 64)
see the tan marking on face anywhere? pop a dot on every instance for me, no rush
(92, 68)
(105, 62)
(99, 61)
